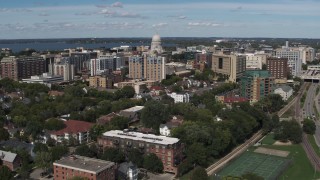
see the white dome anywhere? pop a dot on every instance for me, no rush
(156, 38)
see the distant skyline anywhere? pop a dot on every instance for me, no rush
(27, 19)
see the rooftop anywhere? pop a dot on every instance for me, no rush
(73, 126)
(151, 138)
(7, 156)
(134, 109)
(86, 164)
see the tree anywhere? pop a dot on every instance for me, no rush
(251, 176)
(5, 173)
(136, 157)
(309, 126)
(119, 122)
(4, 135)
(84, 150)
(199, 173)
(39, 147)
(58, 151)
(43, 160)
(288, 131)
(54, 124)
(152, 163)
(114, 155)
(197, 154)
(96, 131)
(153, 114)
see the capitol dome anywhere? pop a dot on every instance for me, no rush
(156, 38)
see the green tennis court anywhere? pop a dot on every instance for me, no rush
(266, 166)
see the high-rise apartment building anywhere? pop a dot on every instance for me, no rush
(9, 68)
(81, 60)
(106, 63)
(147, 67)
(278, 67)
(22, 67)
(232, 66)
(256, 84)
(62, 68)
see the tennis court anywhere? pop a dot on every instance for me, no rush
(266, 166)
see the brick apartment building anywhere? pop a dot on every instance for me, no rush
(80, 166)
(22, 67)
(278, 67)
(168, 149)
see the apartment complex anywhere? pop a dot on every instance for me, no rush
(22, 67)
(80, 166)
(168, 149)
(147, 67)
(100, 81)
(62, 68)
(278, 67)
(256, 84)
(106, 63)
(180, 98)
(232, 66)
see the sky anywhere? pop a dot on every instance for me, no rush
(27, 19)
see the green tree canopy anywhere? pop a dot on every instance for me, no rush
(84, 150)
(113, 154)
(152, 163)
(251, 176)
(309, 126)
(4, 135)
(153, 114)
(43, 160)
(39, 147)
(5, 173)
(54, 124)
(199, 173)
(288, 131)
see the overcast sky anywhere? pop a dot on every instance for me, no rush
(170, 18)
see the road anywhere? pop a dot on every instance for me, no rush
(305, 112)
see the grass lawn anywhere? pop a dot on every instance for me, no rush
(314, 144)
(301, 168)
(268, 139)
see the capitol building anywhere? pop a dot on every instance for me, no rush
(156, 47)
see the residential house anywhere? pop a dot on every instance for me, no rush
(284, 91)
(11, 160)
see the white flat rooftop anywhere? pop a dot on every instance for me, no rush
(151, 138)
(134, 109)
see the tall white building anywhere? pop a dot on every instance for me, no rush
(62, 68)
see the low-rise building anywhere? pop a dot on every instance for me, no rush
(79, 130)
(46, 79)
(183, 98)
(168, 149)
(80, 166)
(284, 91)
(131, 113)
(11, 160)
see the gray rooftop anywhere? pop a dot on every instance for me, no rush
(7, 156)
(85, 164)
(284, 88)
(151, 138)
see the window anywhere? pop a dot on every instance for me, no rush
(220, 63)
